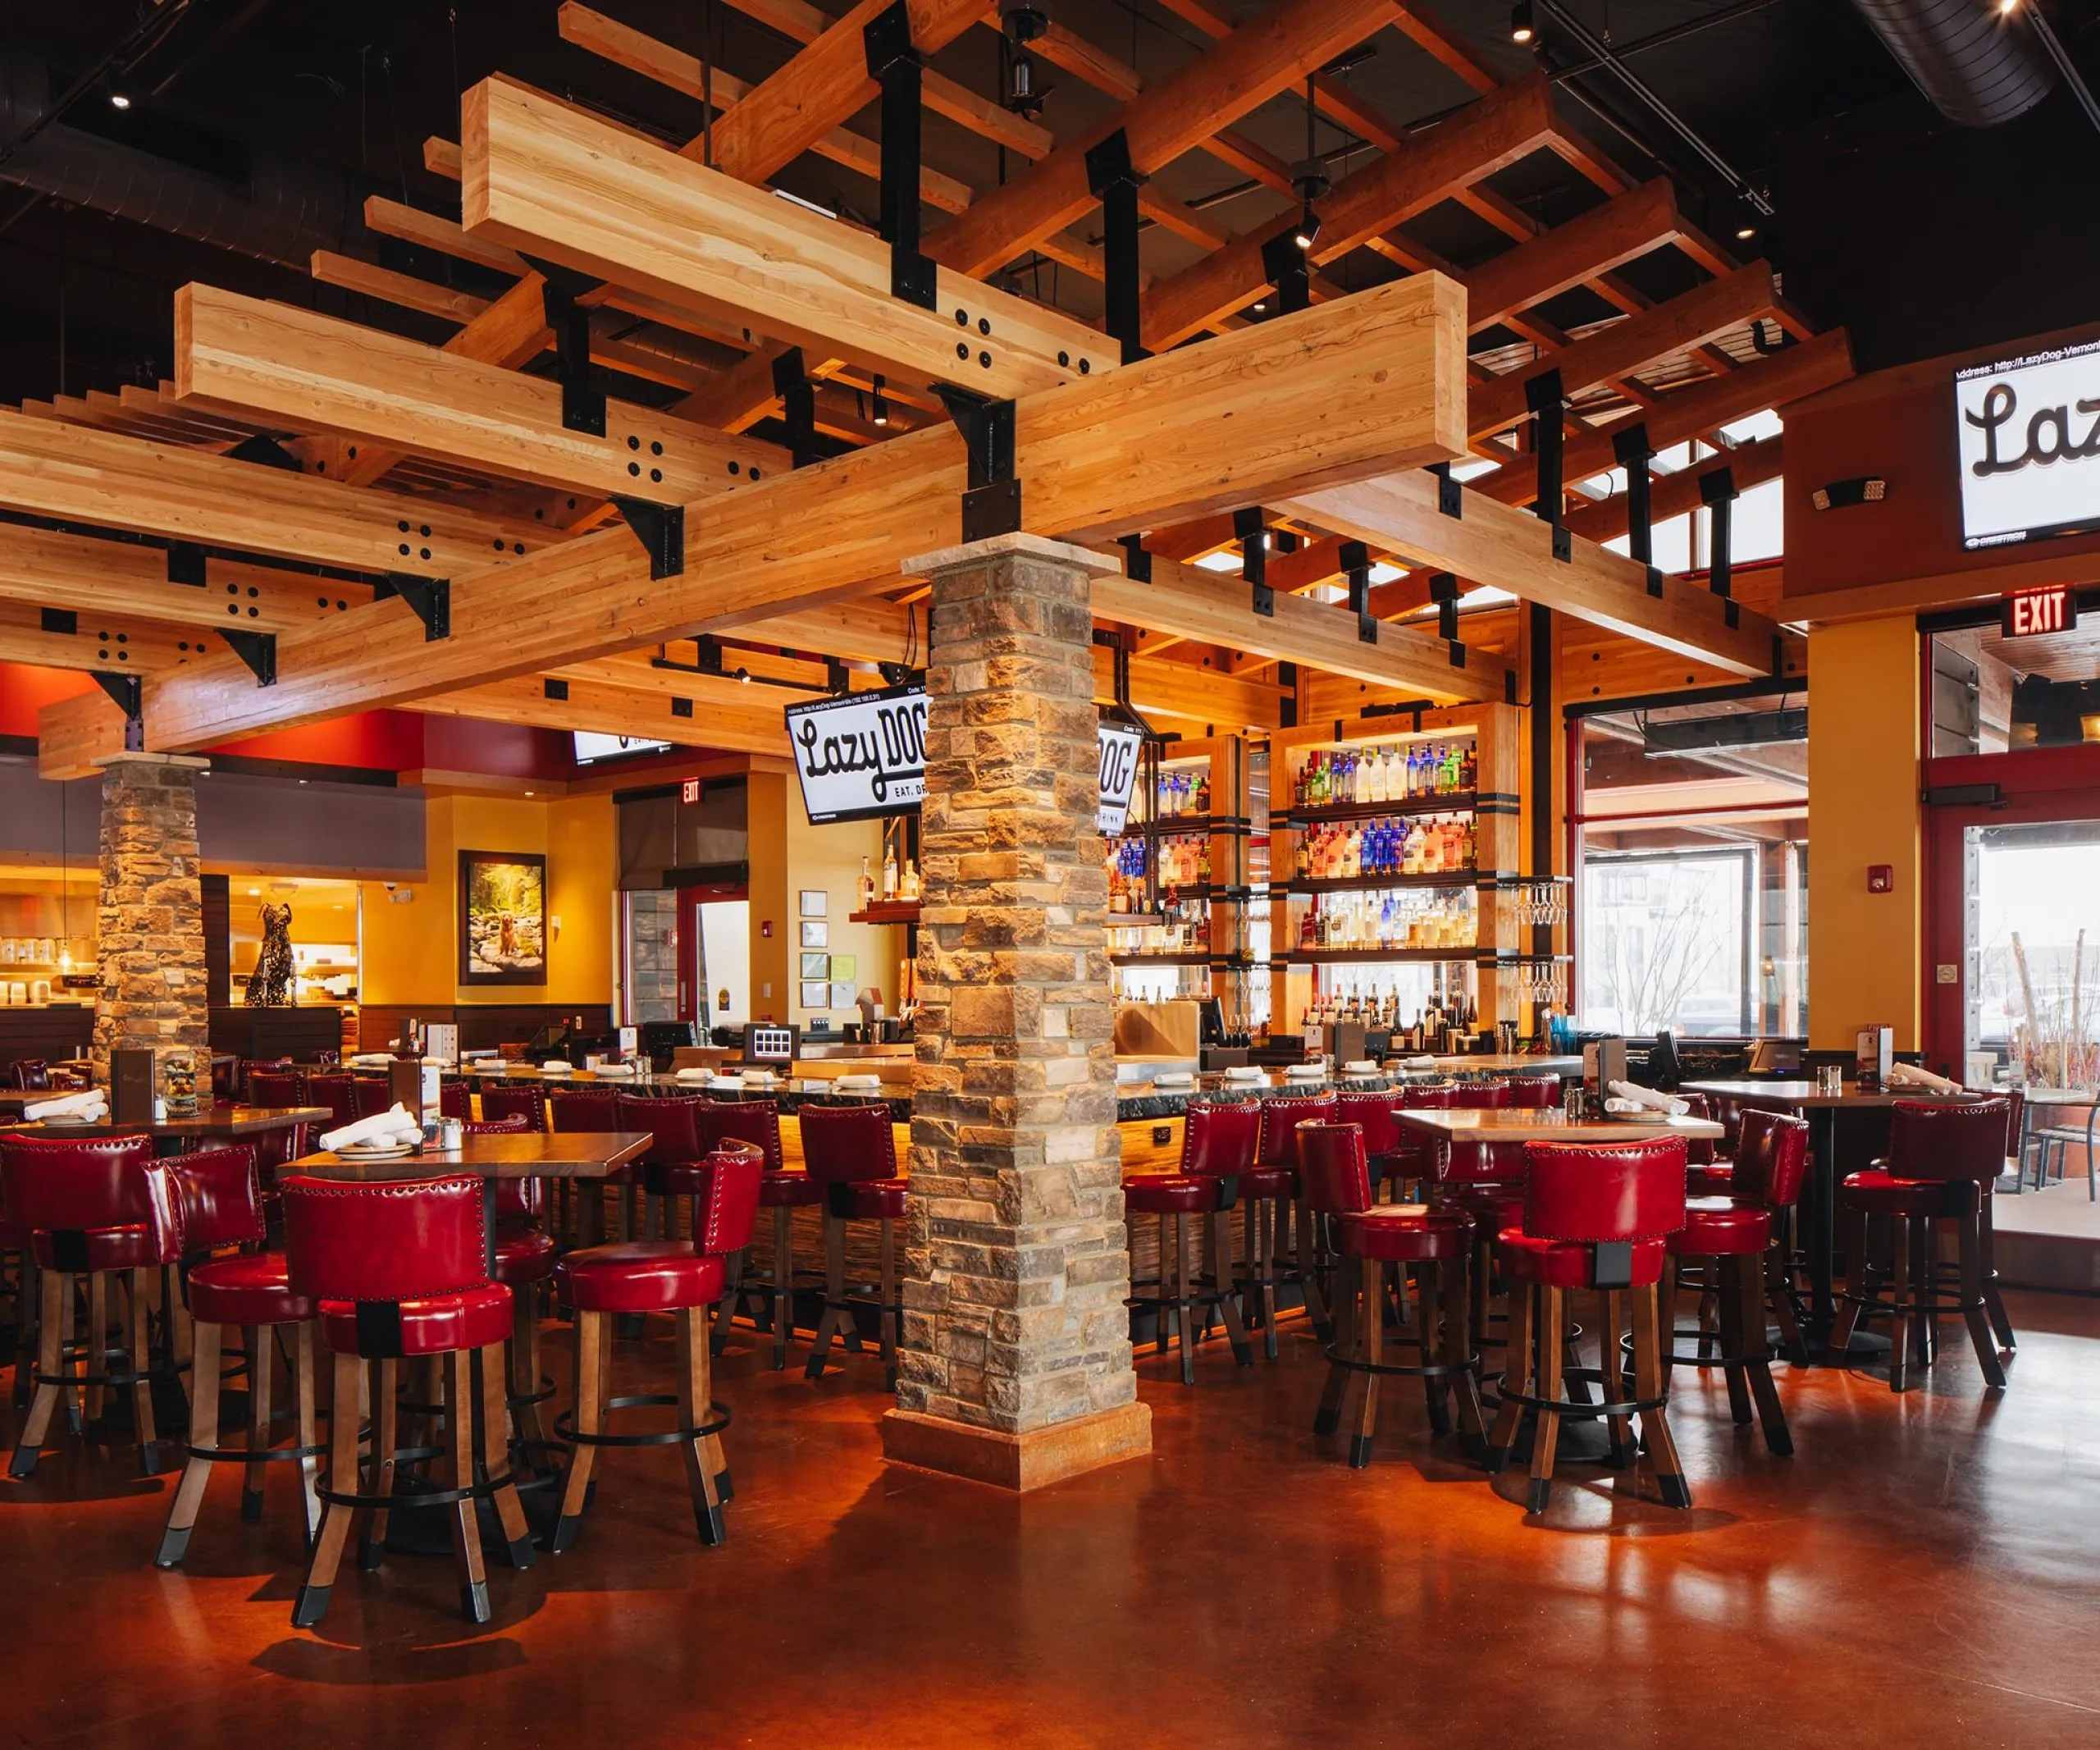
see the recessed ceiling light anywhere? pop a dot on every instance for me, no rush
(117, 100)
(1521, 27)
(1744, 233)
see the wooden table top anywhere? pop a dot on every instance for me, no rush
(1512, 1125)
(557, 1154)
(1802, 1095)
(1501, 1063)
(213, 1121)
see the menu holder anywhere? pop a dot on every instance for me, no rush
(133, 1083)
(1875, 1056)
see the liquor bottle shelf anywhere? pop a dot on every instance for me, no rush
(1452, 802)
(1168, 825)
(1193, 957)
(1457, 956)
(1446, 878)
(886, 912)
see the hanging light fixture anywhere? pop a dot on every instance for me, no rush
(1521, 30)
(879, 408)
(1309, 176)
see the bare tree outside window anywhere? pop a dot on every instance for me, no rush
(1663, 945)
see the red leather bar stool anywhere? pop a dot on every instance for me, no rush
(1391, 1157)
(595, 1110)
(524, 1261)
(399, 1270)
(1270, 1188)
(455, 1100)
(338, 1094)
(220, 1193)
(851, 1152)
(1367, 1238)
(1709, 1174)
(667, 1166)
(1738, 1241)
(98, 1209)
(659, 1276)
(246, 1070)
(1218, 1145)
(528, 1103)
(1594, 1218)
(1486, 1181)
(276, 1088)
(1943, 1164)
(779, 1190)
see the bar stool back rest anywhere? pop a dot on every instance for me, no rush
(1933, 1141)
(1333, 1168)
(1221, 1140)
(848, 1142)
(727, 1209)
(1535, 1093)
(455, 1100)
(1376, 1115)
(1771, 1160)
(274, 1088)
(1588, 1195)
(754, 1121)
(528, 1104)
(673, 1126)
(247, 1068)
(220, 1193)
(1483, 1096)
(338, 1094)
(30, 1075)
(1699, 1151)
(1281, 1116)
(370, 1096)
(64, 1188)
(596, 1109)
(400, 1241)
(516, 1199)
(1441, 1098)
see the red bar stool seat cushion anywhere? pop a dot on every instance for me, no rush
(1712, 1179)
(1404, 1233)
(1269, 1181)
(1563, 1263)
(523, 1255)
(641, 1276)
(470, 1319)
(136, 1247)
(788, 1190)
(1721, 1228)
(873, 1200)
(249, 1289)
(1172, 1194)
(1884, 1194)
(1493, 1206)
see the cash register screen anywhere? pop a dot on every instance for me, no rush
(775, 1045)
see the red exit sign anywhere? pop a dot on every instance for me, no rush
(2032, 612)
(689, 791)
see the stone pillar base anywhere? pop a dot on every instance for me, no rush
(1019, 1462)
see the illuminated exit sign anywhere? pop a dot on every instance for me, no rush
(689, 791)
(2032, 612)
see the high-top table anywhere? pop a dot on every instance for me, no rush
(1509, 1124)
(1804, 1099)
(229, 1123)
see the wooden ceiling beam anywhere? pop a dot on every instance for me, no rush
(305, 371)
(1618, 230)
(1674, 494)
(587, 195)
(736, 725)
(94, 643)
(1327, 394)
(1265, 56)
(1493, 543)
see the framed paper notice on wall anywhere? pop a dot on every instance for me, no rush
(503, 918)
(816, 995)
(845, 966)
(814, 901)
(816, 965)
(842, 994)
(816, 934)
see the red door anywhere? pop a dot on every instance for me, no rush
(692, 1000)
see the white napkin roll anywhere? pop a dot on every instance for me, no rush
(1911, 1076)
(1619, 1108)
(870, 1082)
(92, 1104)
(383, 1126)
(694, 1074)
(1652, 1100)
(1418, 1064)
(554, 1067)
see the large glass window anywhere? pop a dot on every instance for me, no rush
(2033, 991)
(1993, 694)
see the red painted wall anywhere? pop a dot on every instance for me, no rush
(25, 691)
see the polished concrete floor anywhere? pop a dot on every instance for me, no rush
(1926, 1571)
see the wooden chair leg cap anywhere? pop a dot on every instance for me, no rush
(474, 1603)
(1359, 1452)
(310, 1606)
(1537, 1495)
(564, 1540)
(174, 1545)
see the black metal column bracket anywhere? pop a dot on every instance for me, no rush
(1286, 267)
(992, 504)
(1254, 558)
(185, 564)
(124, 693)
(1356, 566)
(64, 621)
(582, 391)
(258, 650)
(1444, 592)
(1717, 491)
(1544, 396)
(1631, 447)
(431, 598)
(1137, 563)
(798, 405)
(1114, 182)
(1450, 494)
(661, 530)
(894, 64)
(266, 451)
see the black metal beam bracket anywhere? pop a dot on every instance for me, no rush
(124, 693)
(582, 390)
(991, 505)
(431, 598)
(895, 65)
(1356, 566)
(258, 650)
(798, 405)
(1247, 525)
(1114, 182)
(661, 530)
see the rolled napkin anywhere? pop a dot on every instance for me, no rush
(1648, 1099)
(394, 1125)
(93, 1104)
(554, 1067)
(1911, 1076)
(1418, 1064)
(1243, 1073)
(691, 1074)
(861, 1082)
(1618, 1109)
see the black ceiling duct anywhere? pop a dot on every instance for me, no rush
(1976, 66)
(1698, 735)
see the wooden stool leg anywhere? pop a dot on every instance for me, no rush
(261, 1413)
(1972, 1243)
(371, 1550)
(141, 1352)
(1545, 1440)
(694, 1395)
(305, 1383)
(54, 1314)
(1457, 1350)
(1857, 1280)
(1184, 1322)
(725, 1309)
(1618, 1430)
(459, 1418)
(203, 1432)
(834, 1291)
(491, 1380)
(1735, 1339)
(181, 1333)
(1370, 1306)
(783, 1285)
(1746, 1280)
(1218, 1240)
(1648, 1383)
(1262, 1244)
(591, 1351)
(95, 1358)
(1161, 1322)
(1308, 1270)
(1779, 1292)
(1345, 1347)
(890, 1321)
(1517, 1377)
(1993, 1299)
(1899, 1321)
(312, 1604)
(524, 1359)
(1426, 1300)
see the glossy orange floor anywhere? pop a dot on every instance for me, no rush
(1925, 1572)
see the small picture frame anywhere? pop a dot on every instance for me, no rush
(816, 933)
(816, 995)
(815, 902)
(816, 965)
(843, 968)
(842, 994)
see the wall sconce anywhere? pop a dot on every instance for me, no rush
(1840, 494)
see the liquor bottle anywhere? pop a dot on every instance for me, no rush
(867, 886)
(1469, 771)
(889, 872)
(910, 887)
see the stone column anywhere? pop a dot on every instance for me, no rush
(1016, 1365)
(149, 944)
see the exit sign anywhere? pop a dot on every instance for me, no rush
(2030, 612)
(689, 791)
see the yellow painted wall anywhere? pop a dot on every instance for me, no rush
(1865, 958)
(827, 859)
(411, 951)
(773, 901)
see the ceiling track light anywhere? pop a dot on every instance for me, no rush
(879, 408)
(1522, 27)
